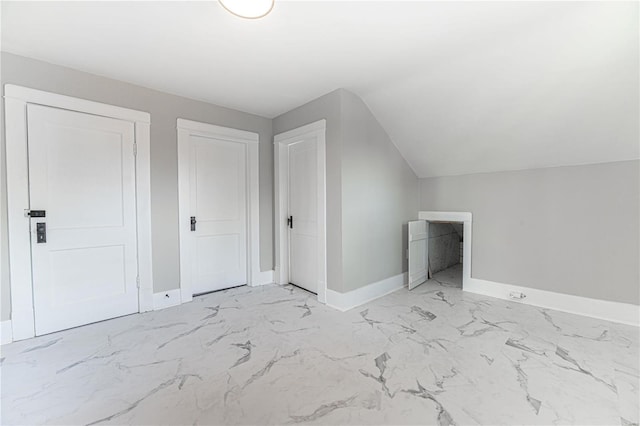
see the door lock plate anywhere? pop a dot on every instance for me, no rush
(41, 232)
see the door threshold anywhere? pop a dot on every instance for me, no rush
(219, 290)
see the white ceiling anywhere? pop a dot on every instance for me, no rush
(460, 87)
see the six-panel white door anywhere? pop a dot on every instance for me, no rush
(82, 174)
(303, 214)
(218, 205)
(418, 252)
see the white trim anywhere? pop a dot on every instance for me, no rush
(40, 97)
(467, 220)
(22, 319)
(445, 216)
(6, 335)
(264, 278)
(143, 215)
(206, 129)
(166, 299)
(281, 141)
(186, 128)
(16, 100)
(602, 309)
(300, 131)
(360, 296)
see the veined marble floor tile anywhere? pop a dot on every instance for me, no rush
(273, 355)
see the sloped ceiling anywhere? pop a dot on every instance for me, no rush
(461, 87)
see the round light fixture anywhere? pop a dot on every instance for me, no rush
(249, 9)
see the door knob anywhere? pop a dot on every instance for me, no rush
(193, 223)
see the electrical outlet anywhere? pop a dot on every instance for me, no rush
(517, 295)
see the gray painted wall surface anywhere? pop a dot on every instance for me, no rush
(371, 191)
(326, 107)
(572, 230)
(164, 109)
(380, 193)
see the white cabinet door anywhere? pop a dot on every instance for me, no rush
(82, 175)
(218, 205)
(303, 214)
(418, 252)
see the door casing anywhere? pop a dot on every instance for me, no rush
(418, 253)
(187, 128)
(315, 131)
(16, 100)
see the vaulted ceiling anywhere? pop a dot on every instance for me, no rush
(460, 87)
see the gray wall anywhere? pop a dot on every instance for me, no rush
(380, 193)
(572, 230)
(371, 191)
(326, 107)
(164, 109)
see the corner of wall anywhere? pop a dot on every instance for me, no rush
(326, 107)
(376, 178)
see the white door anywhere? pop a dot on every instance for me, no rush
(218, 220)
(83, 240)
(418, 252)
(303, 214)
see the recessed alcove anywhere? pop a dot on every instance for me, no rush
(450, 241)
(446, 252)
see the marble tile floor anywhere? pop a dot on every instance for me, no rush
(451, 277)
(274, 355)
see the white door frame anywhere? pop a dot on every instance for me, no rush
(281, 152)
(16, 99)
(466, 218)
(187, 128)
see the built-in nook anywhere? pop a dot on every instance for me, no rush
(449, 246)
(446, 252)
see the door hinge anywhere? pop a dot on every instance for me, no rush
(135, 149)
(138, 281)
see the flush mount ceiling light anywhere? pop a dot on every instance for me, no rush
(249, 9)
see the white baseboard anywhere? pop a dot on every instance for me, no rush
(166, 299)
(362, 295)
(602, 309)
(263, 278)
(6, 332)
